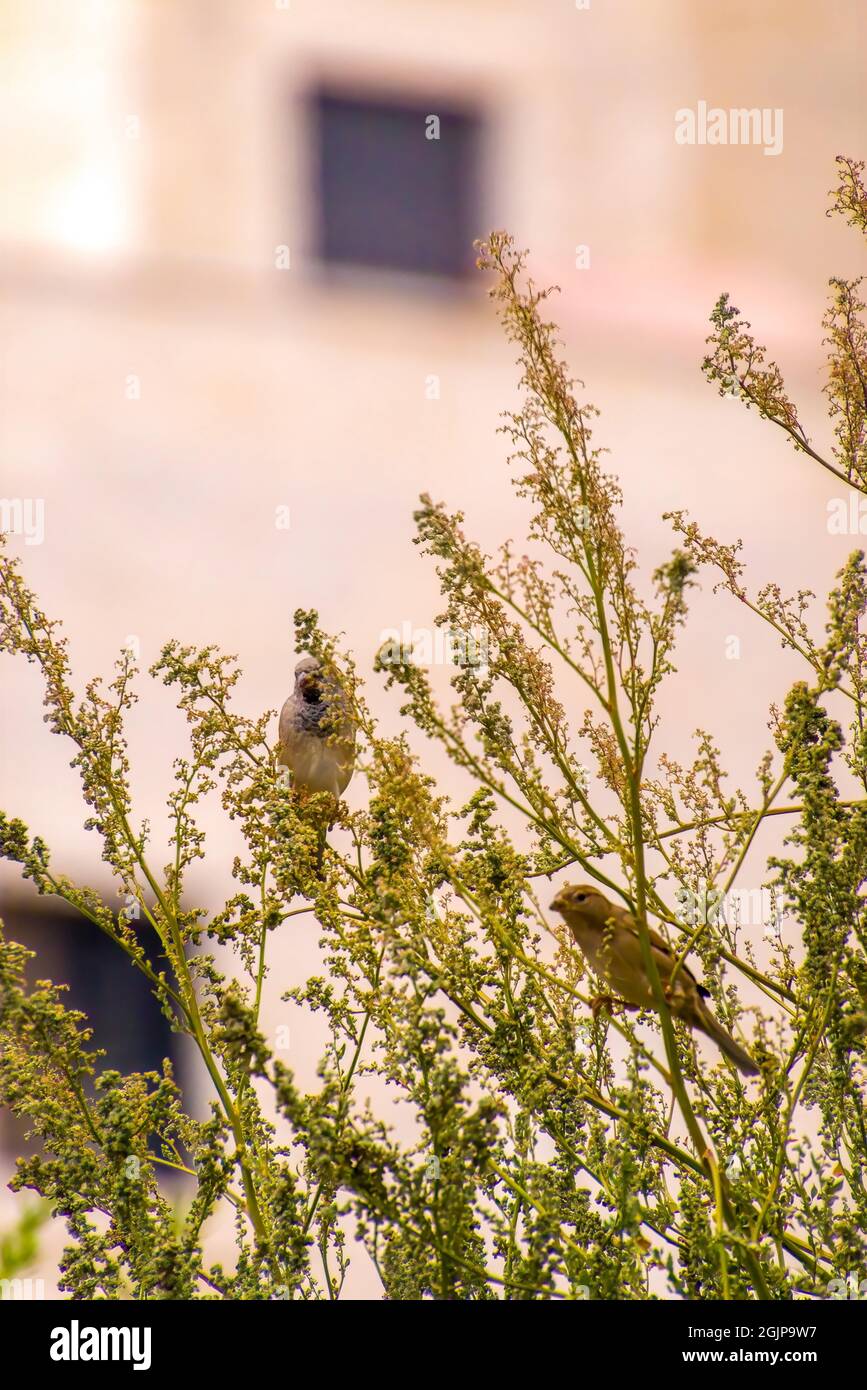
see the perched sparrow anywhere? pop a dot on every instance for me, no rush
(608, 938)
(317, 734)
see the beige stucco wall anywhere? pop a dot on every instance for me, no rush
(153, 155)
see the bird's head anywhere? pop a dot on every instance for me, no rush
(308, 680)
(583, 898)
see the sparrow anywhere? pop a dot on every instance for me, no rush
(317, 733)
(607, 936)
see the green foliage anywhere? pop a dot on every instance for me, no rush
(737, 364)
(556, 1153)
(19, 1246)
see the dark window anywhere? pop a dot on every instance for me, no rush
(126, 1019)
(391, 197)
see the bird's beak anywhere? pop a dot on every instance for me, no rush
(556, 903)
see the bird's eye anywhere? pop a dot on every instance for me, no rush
(579, 897)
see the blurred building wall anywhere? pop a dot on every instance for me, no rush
(167, 387)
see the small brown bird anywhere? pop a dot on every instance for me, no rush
(317, 733)
(608, 938)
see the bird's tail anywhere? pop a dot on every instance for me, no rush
(707, 1024)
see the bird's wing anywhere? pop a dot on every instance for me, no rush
(288, 733)
(665, 957)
